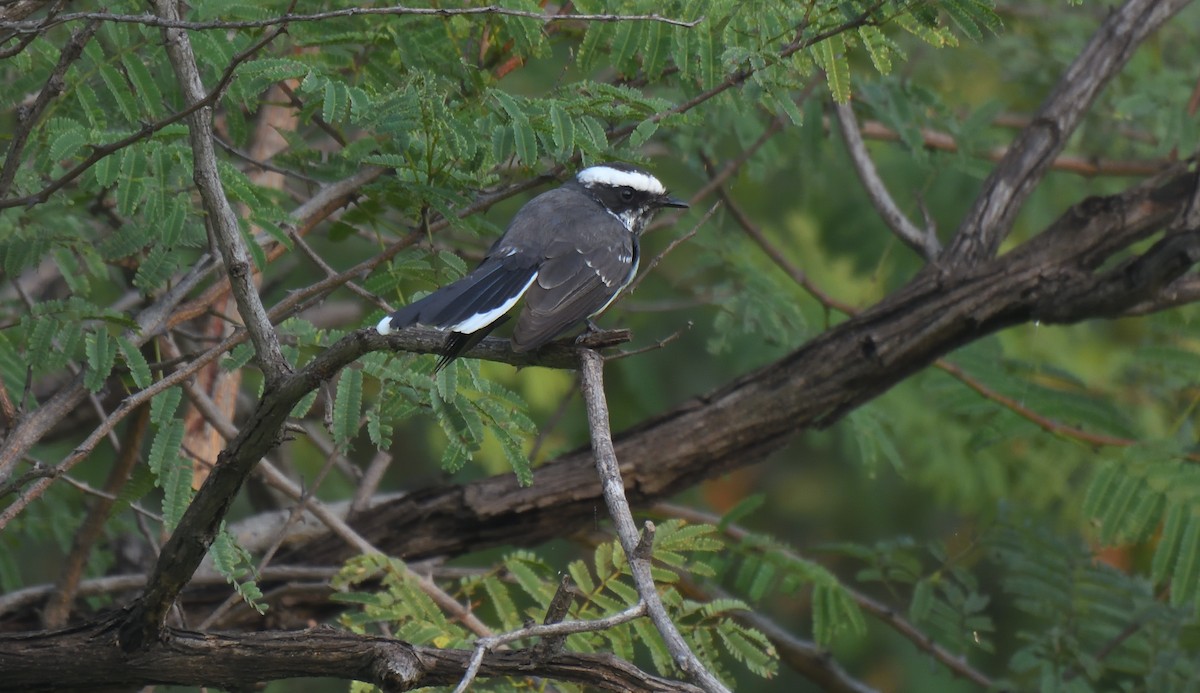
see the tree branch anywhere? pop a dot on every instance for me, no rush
(592, 383)
(221, 219)
(1005, 191)
(924, 242)
(35, 662)
(176, 23)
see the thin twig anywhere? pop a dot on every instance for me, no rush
(561, 629)
(176, 23)
(650, 347)
(592, 379)
(925, 242)
(1081, 165)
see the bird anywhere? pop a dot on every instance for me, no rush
(569, 252)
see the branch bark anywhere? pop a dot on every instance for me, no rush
(637, 552)
(221, 219)
(1053, 278)
(35, 662)
(1005, 191)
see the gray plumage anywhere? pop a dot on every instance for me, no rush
(568, 252)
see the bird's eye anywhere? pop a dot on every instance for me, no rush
(626, 194)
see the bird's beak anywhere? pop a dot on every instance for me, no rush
(674, 202)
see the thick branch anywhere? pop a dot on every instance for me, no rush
(1005, 191)
(851, 363)
(237, 661)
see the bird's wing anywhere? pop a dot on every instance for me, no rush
(473, 302)
(578, 278)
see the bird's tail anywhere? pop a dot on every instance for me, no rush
(469, 308)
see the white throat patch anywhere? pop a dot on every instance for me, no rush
(606, 175)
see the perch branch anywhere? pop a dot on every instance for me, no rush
(592, 379)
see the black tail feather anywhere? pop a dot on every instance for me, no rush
(458, 343)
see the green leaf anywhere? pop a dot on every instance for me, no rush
(563, 130)
(120, 91)
(523, 135)
(643, 132)
(101, 355)
(139, 370)
(878, 46)
(144, 85)
(832, 53)
(347, 408)
(1186, 579)
(67, 144)
(164, 405)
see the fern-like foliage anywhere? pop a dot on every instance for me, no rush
(519, 589)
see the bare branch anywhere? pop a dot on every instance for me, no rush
(176, 23)
(238, 661)
(924, 242)
(1005, 191)
(1081, 165)
(221, 218)
(592, 378)
(486, 645)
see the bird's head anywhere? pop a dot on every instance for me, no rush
(627, 192)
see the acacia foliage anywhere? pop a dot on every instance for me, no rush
(99, 220)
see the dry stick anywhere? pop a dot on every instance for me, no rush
(109, 585)
(883, 612)
(221, 219)
(328, 517)
(84, 487)
(592, 379)
(369, 483)
(924, 242)
(561, 629)
(1005, 191)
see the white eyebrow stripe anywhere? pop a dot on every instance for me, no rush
(606, 175)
